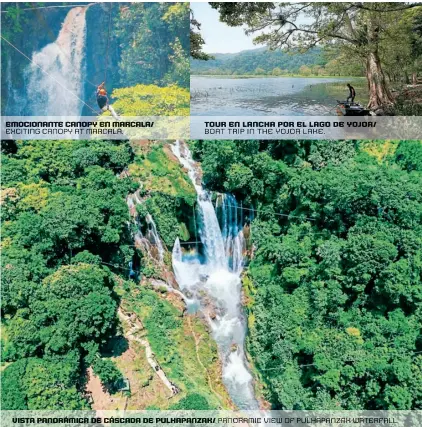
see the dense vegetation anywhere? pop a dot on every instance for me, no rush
(64, 223)
(156, 41)
(151, 100)
(171, 196)
(334, 290)
(274, 63)
(66, 249)
(170, 335)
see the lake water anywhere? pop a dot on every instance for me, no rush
(268, 96)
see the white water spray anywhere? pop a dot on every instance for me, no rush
(234, 240)
(219, 277)
(63, 61)
(154, 238)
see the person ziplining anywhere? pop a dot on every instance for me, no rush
(102, 98)
(103, 102)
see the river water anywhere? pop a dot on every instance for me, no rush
(261, 96)
(216, 273)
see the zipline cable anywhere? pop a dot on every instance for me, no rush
(51, 7)
(263, 211)
(269, 212)
(314, 364)
(48, 74)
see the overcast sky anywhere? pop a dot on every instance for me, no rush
(219, 37)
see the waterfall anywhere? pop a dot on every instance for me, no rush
(219, 277)
(63, 61)
(177, 251)
(232, 219)
(153, 236)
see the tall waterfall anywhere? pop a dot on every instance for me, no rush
(234, 240)
(63, 61)
(219, 277)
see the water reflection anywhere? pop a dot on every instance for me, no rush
(271, 96)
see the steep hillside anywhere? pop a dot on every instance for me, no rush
(258, 61)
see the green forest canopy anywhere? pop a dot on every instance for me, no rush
(276, 63)
(334, 291)
(155, 40)
(64, 222)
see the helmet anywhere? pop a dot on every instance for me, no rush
(102, 92)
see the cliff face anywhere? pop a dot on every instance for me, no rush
(32, 30)
(102, 50)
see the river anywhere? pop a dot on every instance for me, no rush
(271, 96)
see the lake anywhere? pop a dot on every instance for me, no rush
(271, 96)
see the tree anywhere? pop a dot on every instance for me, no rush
(179, 72)
(13, 396)
(357, 26)
(192, 402)
(152, 33)
(235, 14)
(305, 71)
(196, 40)
(34, 384)
(416, 44)
(409, 155)
(109, 374)
(73, 306)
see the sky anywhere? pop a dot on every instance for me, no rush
(219, 37)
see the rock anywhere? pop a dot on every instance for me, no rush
(170, 279)
(203, 278)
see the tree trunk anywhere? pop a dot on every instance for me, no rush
(379, 94)
(414, 78)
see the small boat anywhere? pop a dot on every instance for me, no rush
(345, 108)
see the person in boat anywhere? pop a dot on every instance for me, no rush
(352, 93)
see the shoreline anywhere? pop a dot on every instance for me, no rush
(247, 76)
